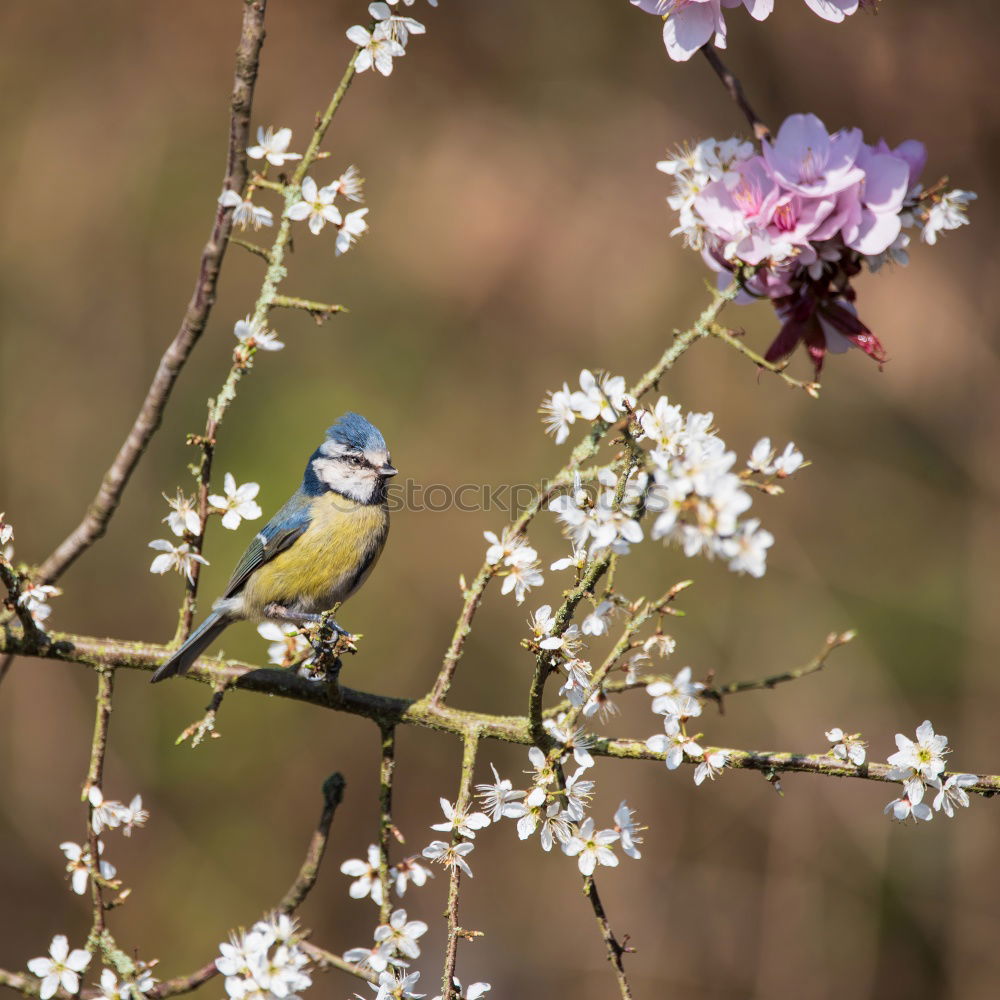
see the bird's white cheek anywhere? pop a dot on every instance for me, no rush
(344, 479)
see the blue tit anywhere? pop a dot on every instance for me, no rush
(317, 550)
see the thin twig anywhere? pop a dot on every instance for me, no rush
(735, 89)
(327, 960)
(257, 251)
(333, 794)
(718, 692)
(29, 986)
(318, 310)
(470, 746)
(103, 506)
(585, 450)
(386, 827)
(95, 777)
(615, 948)
(730, 337)
(184, 984)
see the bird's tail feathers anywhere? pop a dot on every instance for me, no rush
(197, 642)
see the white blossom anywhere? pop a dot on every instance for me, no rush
(317, 206)
(500, 799)
(524, 573)
(377, 47)
(78, 865)
(711, 765)
(175, 557)
(254, 333)
(450, 855)
(558, 413)
(947, 213)
(592, 848)
(350, 230)
(246, 212)
(848, 746)
(916, 762)
(397, 26)
(674, 744)
(133, 815)
(409, 870)
(392, 985)
(238, 504)
(910, 806)
(288, 644)
(628, 829)
(599, 620)
(104, 813)
(35, 597)
(401, 934)
(183, 516)
(350, 184)
(460, 822)
(602, 396)
(952, 792)
(61, 968)
(273, 146)
(366, 876)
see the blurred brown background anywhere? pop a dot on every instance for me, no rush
(518, 234)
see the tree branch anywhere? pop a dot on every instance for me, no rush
(735, 88)
(470, 747)
(333, 794)
(103, 506)
(383, 710)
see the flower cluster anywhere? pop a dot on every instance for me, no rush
(315, 204)
(235, 506)
(386, 41)
(266, 962)
(599, 396)
(556, 808)
(678, 700)
(685, 479)
(112, 814)
(848, 747)
(798, 221)
(517, 562)
(919, 763)
(368, 885)
(689, 24)
(395, 943)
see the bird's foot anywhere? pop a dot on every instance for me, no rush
(329, 641)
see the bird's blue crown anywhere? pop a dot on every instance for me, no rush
(353, 431)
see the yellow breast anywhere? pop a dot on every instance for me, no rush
(327, 563)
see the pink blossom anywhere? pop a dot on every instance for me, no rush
(833, 10)
(737, 214)
(872, 223)
(689, 24)
(806, 158)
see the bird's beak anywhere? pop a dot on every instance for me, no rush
(387, 470)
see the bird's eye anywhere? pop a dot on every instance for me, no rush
(355, 460)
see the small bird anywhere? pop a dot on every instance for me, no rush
(317, 550)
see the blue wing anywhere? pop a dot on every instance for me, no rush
(276, 536)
